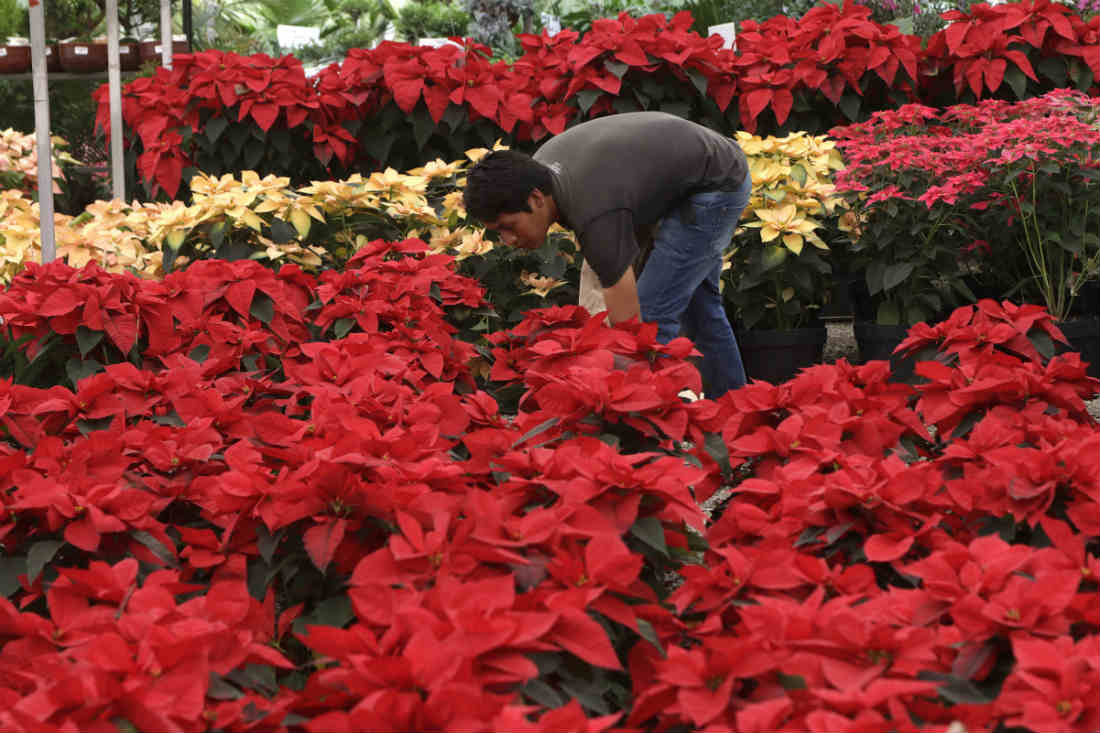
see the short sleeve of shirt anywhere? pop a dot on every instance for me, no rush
(609, 245)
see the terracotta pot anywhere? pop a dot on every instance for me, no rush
(150, 50)
(129, 55)
(15, 59)
(53, 58)
(80, 57)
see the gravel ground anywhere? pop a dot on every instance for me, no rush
(842, 343)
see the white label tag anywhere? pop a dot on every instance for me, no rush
(123, 50)
(3, 51)
(80, 50)
(157, 48)
(49, 51)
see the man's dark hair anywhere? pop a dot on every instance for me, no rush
(501, 182)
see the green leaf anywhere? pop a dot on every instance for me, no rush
(698, 80)
(650, 531)
(39, 556)
(772, 257)
(263, 307)
(957, 691)
(10, 570)
(647, 632)
(168, 256)
(896, 274)
(543, 694)
(888, 314)
(798, 174)
(76, 369)
(214, 128)
(715, 446)
(874, 275)
(538, 429)
(378, 146)
(219, 689)
(342, 326)
(589, 695)
(1017, 81)
(335, 611)
(678, 108)
(617, 68)
(266, 542)
(849, 105)
(809, 536)
(87, 339)
(791, 681)
(1042, 342)
(423, 126)
(156, 547)
(280, 139)
(253, 154)
(1054, 68)
(586, 98)
(283, 232)
(91, 426)
(199, 353)
(258, 677)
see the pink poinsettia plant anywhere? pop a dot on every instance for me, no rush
(1007, 190)
(251, 500)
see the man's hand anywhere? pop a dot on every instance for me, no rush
(622, 299)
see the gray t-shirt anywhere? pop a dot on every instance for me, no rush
(615, 177)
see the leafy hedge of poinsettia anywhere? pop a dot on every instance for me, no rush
(397, 105)
(278, 501)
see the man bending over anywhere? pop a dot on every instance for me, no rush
(612, 180)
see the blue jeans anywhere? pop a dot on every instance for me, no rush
(678, 288)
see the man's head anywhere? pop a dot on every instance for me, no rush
(512, 193)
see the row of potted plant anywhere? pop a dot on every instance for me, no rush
(930, 211)
(255, 500)
(398, 105)
(84, 55)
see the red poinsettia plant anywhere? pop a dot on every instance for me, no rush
(287, 502)
(398, 105)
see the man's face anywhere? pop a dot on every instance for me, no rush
(525, 229)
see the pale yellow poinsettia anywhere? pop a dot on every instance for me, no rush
(786, 222)
(473, 243)
(476, 154)
(438, 169)
(540, 285)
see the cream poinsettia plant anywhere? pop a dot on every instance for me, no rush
(772, 279)
(315, 226)
(19, 161)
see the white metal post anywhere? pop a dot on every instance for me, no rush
(114, 83)
(166, 33)
(42, 130)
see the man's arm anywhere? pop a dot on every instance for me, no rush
(622, 299)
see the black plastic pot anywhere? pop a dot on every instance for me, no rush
(1083, 335)
(776, 356)
(876, 341)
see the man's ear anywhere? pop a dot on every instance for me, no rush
(537, 198)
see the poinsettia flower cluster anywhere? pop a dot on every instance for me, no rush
(285, 502)
(835, 61)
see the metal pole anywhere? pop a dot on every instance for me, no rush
(188, 28)
(114, 83)
(166, 33)
(42, 130)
